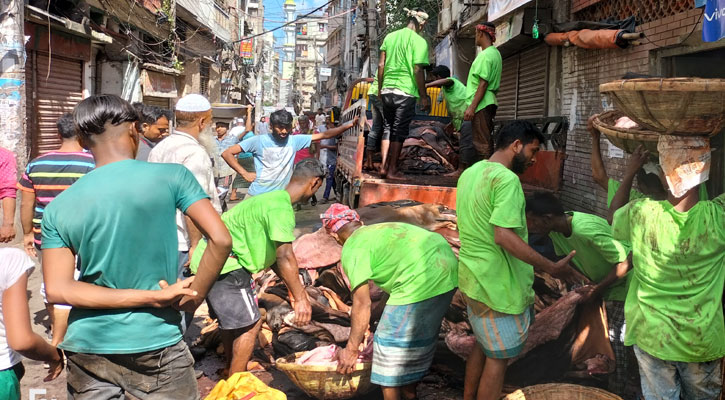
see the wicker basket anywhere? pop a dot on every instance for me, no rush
(325, 383)
(677, 106)
(625, 139)
(561, 391)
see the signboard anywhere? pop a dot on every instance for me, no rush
(156, 84)
(325, 71)
(713, 26)
(614, 151)
(246, 49)
(499, 8)
(288, 68)
(444, 53)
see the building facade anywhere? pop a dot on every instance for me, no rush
(310, 38)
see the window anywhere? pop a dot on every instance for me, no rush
(301, 29)
(321, 26)
(301, 50)
(204, 79)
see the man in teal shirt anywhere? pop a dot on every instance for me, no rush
(262, 229)
(457, 101)
(484, 79)
(599, 257)
(401, 81)
(124, 332)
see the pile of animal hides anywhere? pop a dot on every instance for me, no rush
(568, 339)
(428, 150)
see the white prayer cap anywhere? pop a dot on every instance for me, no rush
(193, 103)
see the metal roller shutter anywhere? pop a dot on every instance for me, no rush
(522, 93)
(53, 96)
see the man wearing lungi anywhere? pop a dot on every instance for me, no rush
(496, 264)
(419, 271)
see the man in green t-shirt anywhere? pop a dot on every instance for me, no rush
(120, 220)
(457, 101)
(262, 229)
(674, 305)
(401, 82)
(419, 271)
(380, 131)
(495, 271)
(599, 257)
(649, 184)
(483, 82)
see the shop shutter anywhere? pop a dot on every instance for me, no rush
(531, 93)
(53, 96)
(506, 95)
(522, 93)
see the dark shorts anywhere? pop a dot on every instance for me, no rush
(398, 111)
(166, 373)
(233, 300)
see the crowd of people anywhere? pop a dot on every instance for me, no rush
(127, 219)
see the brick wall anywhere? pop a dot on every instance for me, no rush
(577, 5)
(582, 72)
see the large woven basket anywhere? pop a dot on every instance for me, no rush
(676, 106)
(561, 391)
(325, 383)
(625, 139)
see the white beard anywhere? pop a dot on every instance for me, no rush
(207, 138)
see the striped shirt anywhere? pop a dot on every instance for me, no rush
(49, 175)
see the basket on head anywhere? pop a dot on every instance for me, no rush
(673, 106)
(324, 382)
(624, 138)
(561, 391)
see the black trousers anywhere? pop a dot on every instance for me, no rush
(399, 111)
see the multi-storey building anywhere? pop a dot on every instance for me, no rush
(310, 36)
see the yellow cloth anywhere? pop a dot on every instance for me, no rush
(244, 386)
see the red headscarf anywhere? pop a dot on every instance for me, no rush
(337, 216)
(489, 30)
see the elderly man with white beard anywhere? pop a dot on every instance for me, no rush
(191, 145)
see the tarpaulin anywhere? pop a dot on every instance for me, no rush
(586, 38)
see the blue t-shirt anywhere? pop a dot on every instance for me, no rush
(245, 154)
(273, 161)
(120, 219)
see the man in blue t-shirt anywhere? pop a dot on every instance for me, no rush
(274, 153)
(124, 332)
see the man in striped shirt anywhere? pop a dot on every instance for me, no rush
(45, 178)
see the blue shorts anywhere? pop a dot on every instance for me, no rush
(500, 335)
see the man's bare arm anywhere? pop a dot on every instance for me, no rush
(381, 72)
(512, 243)
(477, 97)
(599, 173)
(62, 288)
(334, 132)
(287, 269)
(219, 245)
(230, 156)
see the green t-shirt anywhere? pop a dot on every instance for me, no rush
(408, 262)
(613, 186)
(596, 250)
(674, 303)
(490, 195)
(373, 89)
(404, 49)
(487, 66)
(120, 219)
(256, 225)
(456, 100)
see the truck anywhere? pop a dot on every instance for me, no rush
(360, 188)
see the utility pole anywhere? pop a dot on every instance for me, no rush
(348, 35)
(12, 80)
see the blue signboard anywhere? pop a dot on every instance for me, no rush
(713, 25)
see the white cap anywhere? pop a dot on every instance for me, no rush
(193, 103)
